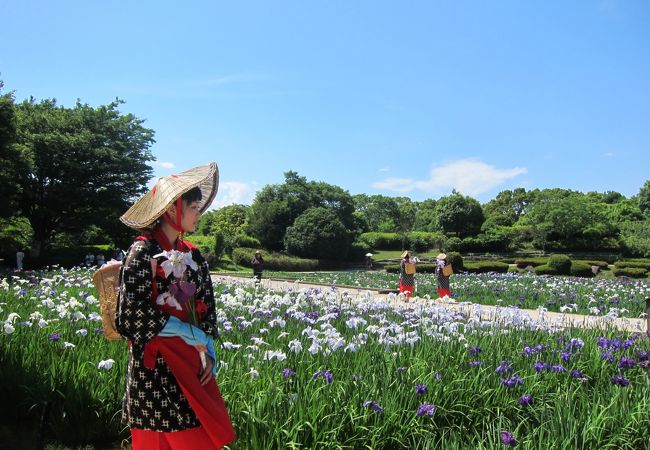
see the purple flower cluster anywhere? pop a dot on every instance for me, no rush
(474, 350)
(620, 380)
(426, 409)
(508, 439)
(373, 405)
(512, 381)
(326, 374)
(505, 367)
(475, 363)
(421, 389)
(525, 400)
(288, 373)
(54, 337)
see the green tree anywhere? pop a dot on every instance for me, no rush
(84, 167)
(318, 233)
(276, 207)
(381, 213)
(507, 208)
(11, 160)
(426, 217)
(459, 214)
(644, 199)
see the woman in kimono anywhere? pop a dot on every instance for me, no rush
(406, 275)
(166, 310)
(443, 271)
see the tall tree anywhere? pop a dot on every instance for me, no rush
(84, 167)
(644, 199)
(10, 159)
(460, 214)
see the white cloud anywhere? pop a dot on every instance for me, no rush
(231, 192)
(164, 164)
(468, 176)
(385, 169)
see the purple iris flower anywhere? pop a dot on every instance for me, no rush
(643, 356)
(475, 350)
(288, 372)
(55, 337)
(372, 404)
(505, 367)
(558, 368)
(620, 380)
(607, 356)
(421, 389)
(475, 363)
(508, 438)
(426, 409)
(575, 373)
(525, 400)
(566, 356)
(513, 381)
(401, 369)
(626, 363)
(540, 366)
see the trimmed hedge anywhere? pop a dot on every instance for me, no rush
(545, 270)
(632, 265)
(384, 241)
(582, 269)
(275, 261)
(535, 262)
(603, 265)
(561, 264)
(632, 272)
(486, 266)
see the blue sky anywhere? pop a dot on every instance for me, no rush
(410, 98)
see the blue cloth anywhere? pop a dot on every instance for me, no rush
(191, 335)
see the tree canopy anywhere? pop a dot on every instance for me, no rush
(84, 166)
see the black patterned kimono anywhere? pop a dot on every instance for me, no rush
(153, 399)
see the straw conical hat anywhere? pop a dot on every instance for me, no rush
(154, 203)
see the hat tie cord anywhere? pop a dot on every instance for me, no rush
(176, 225)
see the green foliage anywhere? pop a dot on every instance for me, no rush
(219, 243)
(204, 243)
(84, 166)
(11, 160)
(632, 272)
(381, 241)
(454, 244)
(545, 269)
(318, 233)
(507, 208)
(456, 260)
(637, 264)
(274, 261)
(525, 262)
(581, 269)
(560, 263)
(486, 266)
(15, 234)
(421, 241)
(460, 215)
(644, 199)
(635, 238)
(483, 243)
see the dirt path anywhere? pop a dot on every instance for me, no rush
(485, 312)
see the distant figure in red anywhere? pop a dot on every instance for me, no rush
(406, 275)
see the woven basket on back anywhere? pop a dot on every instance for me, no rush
(107, 282)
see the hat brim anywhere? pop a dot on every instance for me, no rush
(441, 256)
(148, 208)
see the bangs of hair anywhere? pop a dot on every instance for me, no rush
(193, 195)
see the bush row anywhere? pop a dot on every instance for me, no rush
(276, 261)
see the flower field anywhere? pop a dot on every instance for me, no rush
(317, 369)
(597, 297)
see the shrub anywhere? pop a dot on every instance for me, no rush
(602, 265)
(561, 264)
(318, 233)
(382, 241)
(486, 266)
(357, 252)
(581, 269)
(454, 244)
(204, 243)
(632, 272)
(275, 261)
(545, 269)
(633, 265)
(523, 263)
(456, 261)
(421, 241)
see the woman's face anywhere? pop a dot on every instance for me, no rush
(190, 216)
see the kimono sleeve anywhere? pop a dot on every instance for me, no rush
(209, 325)
(136, 319)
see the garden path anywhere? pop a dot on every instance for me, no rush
(486, 312)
